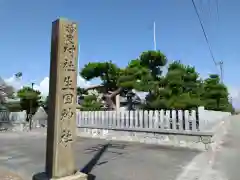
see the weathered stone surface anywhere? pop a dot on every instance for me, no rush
(61, 129)
(62, 98)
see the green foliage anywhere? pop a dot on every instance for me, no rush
(135, 76)
(141, 74)
(215, 95)
(106, 71)
(153, 60)
(91, 103)
(180, 88)
(29, 99)
(81, 91)
(13, 106)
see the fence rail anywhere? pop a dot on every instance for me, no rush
(176, 120)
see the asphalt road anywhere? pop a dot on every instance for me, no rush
(24, 153)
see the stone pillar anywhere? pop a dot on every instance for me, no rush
(61, 129)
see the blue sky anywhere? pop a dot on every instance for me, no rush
(119, 31)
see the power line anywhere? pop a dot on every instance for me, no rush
(204, 32)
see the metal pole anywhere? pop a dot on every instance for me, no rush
(154, 36)
(221, 70)
(30, 118)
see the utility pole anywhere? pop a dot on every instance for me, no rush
(220, 63)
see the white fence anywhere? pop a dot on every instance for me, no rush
(179, 120)
(169, 120)
(17, 117)
(209, 118)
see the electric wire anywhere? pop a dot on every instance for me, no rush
(205, 34)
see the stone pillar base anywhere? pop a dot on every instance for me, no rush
(77, 176)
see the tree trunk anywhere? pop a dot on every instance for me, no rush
(109, 97)
(109, 101)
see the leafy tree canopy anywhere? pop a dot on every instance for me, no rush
(29, 99)
(91, 103)
(140, 74)
(13, 106)
(215, 94)
(180, 88)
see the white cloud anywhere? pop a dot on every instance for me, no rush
(13, 81)
(82, 82)
(43, 86)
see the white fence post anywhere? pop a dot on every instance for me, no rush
(187, 118)
(156, 119)
(180, 119)
(194, 120)
(135, 119)
(140, 113)
(162, 119)
(150, 119)
(174, 120)
(167, 120)
(131, 119)
(201, 118)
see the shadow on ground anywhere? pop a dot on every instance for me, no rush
(100, 149)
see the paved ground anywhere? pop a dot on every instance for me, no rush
(24, 154)
(7, 175)
(220, 163)
(227, 160)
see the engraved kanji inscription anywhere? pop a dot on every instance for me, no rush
(66, 137)
(66, 114)
(68, 64)
(68, 98)
(71, 28)
(69, 45)
(67, 83)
